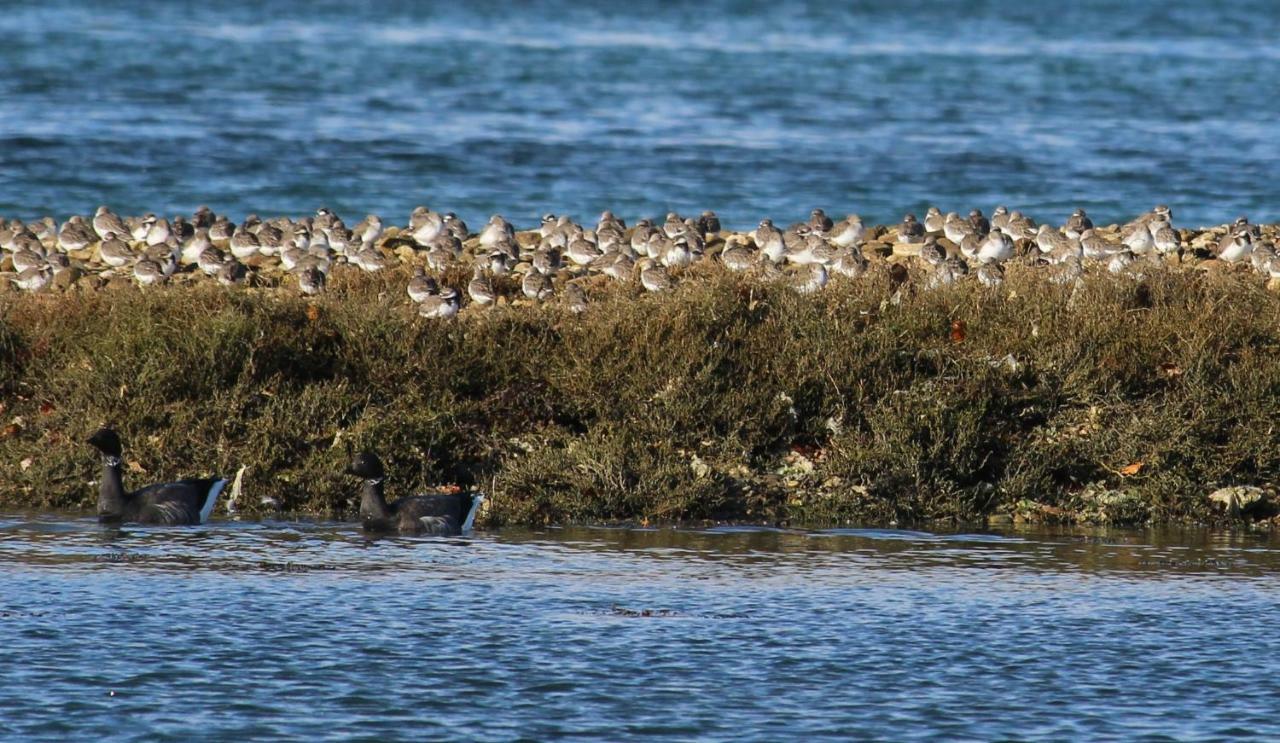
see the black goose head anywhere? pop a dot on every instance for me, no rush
(106, 441)
(366, 465)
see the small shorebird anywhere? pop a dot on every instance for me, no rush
(440, 306)
(737, 257)
(1077, 224)
(480, 289)
(575, 298)
(536, 285)
(114, 251)
(848, 232)
(34, 279)
(811, 279)
(1000, 217)
(934, 221)
(232, 273)
(148, 273)
(709, 223)
(1096, 247)
(1138, 239)
(421, 286)
(850, 263)
(990, 274)
(653, 277)
(931, 252)
(956, 229)
(768, 240)
(244, 244)
(1164, 238)
(819, 221)
(1236, 246)
(997, 248)
(104, 221)
(498, 230)
(76, 235)
(981, 225)
(311, 281)
(910, 231)
(368, 230)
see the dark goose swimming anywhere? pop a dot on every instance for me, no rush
(442, 513)
(180, 503)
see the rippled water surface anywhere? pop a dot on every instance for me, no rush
(749, 108)
(235, 631)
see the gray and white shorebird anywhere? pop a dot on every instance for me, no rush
(536, 286)
(105, 220)
(498, 230)
(848, 232)
(653, 277)
(934, 221)
(34, 279)
(421, 286)
(311, 281)
(114, 251)
(480, 289)
(768, 240)
(1164, 238)
(1000, 217)
(575, 298)
(997, 248)
(442, 306)
(811, 278)
(1096, 247)
(210, 261)
(232, 273)
(76, 235)
(737, 257)
(849, 263)
(1236, 246)
(956, 229)
(910, 230)
(1077, 224)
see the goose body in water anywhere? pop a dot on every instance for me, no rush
(442, 514)
(180, 503)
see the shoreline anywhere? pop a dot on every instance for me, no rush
(1115, 400)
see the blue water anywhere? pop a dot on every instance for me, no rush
(751, 109)
(280, 630)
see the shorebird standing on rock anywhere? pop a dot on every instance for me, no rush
(848, 232)
(498, 230)
(104, 221)
(768, 240)
(1235, 246)
(1077, 224)
(910, 231)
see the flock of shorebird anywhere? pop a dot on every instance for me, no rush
(559, 258)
